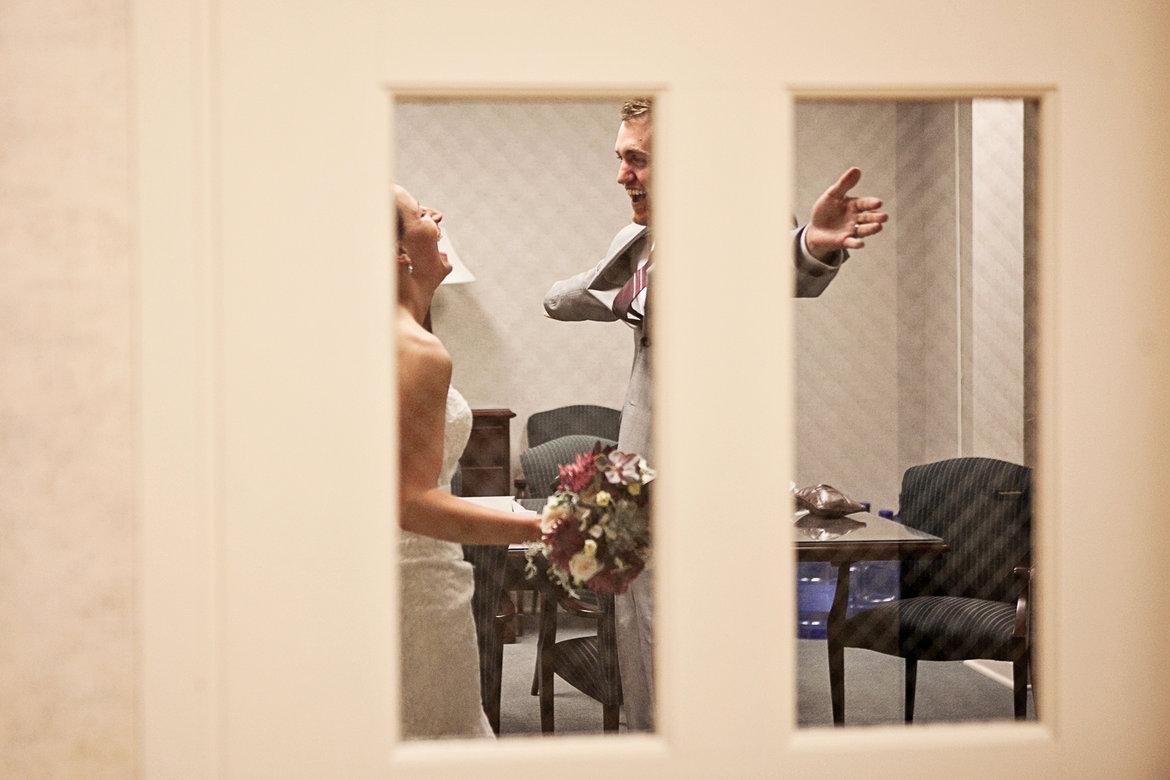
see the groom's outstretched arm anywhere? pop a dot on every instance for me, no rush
(571, 299)
(839, 222)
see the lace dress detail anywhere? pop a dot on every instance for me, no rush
(455, 435)
(440, 657)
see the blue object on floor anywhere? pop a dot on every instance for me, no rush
(870, 583)
(815, 583)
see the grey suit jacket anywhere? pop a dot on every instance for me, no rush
(589, 296)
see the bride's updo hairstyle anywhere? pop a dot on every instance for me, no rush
(400, 222)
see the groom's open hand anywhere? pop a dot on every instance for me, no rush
(840, 221)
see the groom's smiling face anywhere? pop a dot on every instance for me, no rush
(633, 152)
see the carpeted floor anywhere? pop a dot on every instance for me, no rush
(948, 692)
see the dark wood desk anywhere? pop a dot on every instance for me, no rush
(843, 542)
(487, 458)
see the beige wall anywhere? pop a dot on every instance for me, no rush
(67, 525)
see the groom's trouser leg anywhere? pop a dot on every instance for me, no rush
(635, 647)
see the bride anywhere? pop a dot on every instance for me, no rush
(440, 658)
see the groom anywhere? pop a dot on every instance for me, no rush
(618, 289)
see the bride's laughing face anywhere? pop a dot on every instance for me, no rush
(419, 238)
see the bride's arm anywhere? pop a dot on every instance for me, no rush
(443, 516)
(424, 374)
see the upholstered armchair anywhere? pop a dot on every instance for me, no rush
(600, 422)
(973, 602)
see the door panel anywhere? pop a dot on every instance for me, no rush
(288, 346)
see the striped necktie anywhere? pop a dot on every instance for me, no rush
(628, 294)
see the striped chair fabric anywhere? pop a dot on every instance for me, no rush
(600, 421)
(973, 601)
(540, 463)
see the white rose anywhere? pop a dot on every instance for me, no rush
(584, 564)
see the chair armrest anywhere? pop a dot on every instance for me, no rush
(579, 607)
(1023, 579)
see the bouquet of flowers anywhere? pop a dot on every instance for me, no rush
(596, 527)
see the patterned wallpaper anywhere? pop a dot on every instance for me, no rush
(846, 340)
(997, 296)
(913, 354)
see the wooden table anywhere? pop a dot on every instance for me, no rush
(843, 542)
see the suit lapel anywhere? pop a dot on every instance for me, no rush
(616, 268)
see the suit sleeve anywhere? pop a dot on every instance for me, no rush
(589, 295)
(813, 275)
(573, 300)
(582, 297)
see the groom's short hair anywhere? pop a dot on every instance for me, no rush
(636, 107)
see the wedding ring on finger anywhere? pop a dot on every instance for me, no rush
(855, 231)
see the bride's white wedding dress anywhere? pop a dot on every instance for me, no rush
(440, 657)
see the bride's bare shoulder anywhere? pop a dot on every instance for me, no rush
(419, 349)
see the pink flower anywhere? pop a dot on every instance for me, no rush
(623, 468)
(577, 476)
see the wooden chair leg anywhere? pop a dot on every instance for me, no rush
(837, 681)
(911, 685)
(609, 718)
(544, 633)
(1020, 687)
(546, 703)
(547, 645)
(836, 644)
(1032, 680)
(492, 705)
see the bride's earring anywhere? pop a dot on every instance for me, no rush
(409, 265)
